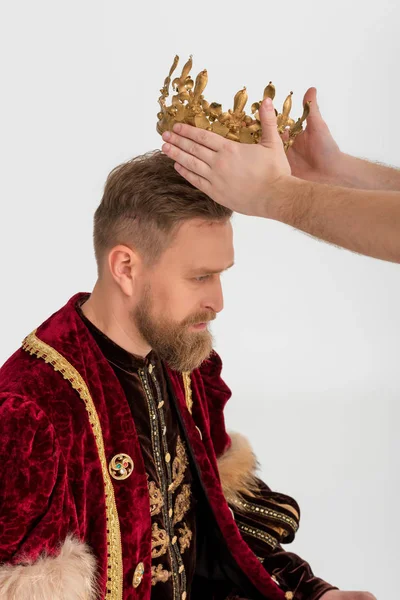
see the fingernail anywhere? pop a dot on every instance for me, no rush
(177, 127)
(166, 147)
(166, 135)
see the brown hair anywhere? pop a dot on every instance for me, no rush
(144, 200)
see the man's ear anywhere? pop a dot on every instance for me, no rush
(124, 265)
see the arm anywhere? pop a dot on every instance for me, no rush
(267, 519)
(264, 518)
(38, 557)
(257, 179)
(364, 221)
(358, 173)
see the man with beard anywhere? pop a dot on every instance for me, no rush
(118, 478)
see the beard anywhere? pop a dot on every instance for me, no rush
(183, 349)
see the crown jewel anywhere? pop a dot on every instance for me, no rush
(188, 105)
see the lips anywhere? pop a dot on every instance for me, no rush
(200, 325)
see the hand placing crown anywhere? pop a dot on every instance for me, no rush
(188, 105)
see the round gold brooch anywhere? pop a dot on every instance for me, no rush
(121, 467)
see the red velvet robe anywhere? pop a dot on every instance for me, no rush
(63, 518)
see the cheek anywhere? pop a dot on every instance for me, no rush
(177, 301)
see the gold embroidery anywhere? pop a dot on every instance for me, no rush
(274, 515)
(159, 574)
(288, 507)
(156, 499)
(185, 538)
(182, 504)
(259, 534)
(164, 471)
(37, 347)
(188, 391)
(159, 541)
(178, 466)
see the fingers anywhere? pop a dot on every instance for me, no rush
(190, 147)
(199, 182)
(210, 140)
(188, 161)
(270, 136)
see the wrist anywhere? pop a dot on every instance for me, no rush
(289, 201)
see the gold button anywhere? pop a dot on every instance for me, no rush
(181, 569)
(184, 596)
(161, 404)
(138, 575)
(121, 466)
(170, 512)
(168, 458)
(174, 539)
(151, 368)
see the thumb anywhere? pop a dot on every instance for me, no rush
(270, 136)
(314, 118)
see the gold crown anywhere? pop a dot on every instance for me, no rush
(189, 106)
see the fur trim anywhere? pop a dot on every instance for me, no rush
(68, 576)
(237, 469)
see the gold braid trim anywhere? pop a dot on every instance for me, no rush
(188, 390)
(267, 512)
(259, 534)
(37, 347)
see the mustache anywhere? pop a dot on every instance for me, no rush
(203, 317)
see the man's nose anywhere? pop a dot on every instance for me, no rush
(215, 301)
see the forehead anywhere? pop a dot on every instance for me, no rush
(201, 243)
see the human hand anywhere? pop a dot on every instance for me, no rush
(242, 177)
(315, 155)
(339, 595)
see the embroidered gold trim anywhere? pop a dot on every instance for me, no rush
(159, 541)
(257, 533)
(40, 349)
(288, 507)
(267, 512)
(164, 471)
(156, 499)
(185, 538)
(188, 391)
(182, 504)
(179, 466)
(159, 575)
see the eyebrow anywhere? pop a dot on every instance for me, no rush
(210, 271)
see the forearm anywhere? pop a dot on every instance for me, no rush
(363, 221)
(358, 173)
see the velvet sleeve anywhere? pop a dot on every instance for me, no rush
(266, 520)
(31, 489)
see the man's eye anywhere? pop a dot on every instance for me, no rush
(202, 278)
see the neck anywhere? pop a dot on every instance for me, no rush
(108, 311)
